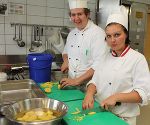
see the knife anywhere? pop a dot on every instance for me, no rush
(93, 111)
(96, 110)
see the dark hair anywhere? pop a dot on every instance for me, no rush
(86, 11)
(125, 31)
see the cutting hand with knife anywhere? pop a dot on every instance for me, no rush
(122, 76)
(84, 47)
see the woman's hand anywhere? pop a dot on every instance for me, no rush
(88, 102)
(109, 102)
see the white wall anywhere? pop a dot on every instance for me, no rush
(43, 12)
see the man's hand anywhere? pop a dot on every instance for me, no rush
(68, 82)
(65, 67)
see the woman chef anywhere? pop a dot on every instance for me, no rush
(85, 46)
(123, 75)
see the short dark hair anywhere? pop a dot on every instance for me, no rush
(86, 11)
(125, 31)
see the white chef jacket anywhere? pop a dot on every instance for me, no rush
(122, 75)
(84, 49)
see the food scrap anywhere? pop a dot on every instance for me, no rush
(46, 85)
(76, 112)
(47, 90)
(91, 113)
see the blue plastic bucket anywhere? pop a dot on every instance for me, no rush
(40, 67)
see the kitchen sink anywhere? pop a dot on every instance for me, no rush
(15, 90)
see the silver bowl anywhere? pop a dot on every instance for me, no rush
(12, 110)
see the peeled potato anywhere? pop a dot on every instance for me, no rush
(48, 90)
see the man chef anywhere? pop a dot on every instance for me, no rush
(84, 47)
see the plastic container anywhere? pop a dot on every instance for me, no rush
(40, 67)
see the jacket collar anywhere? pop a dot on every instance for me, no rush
(122, 54)
(87, 26)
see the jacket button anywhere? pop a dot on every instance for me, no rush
(82, 34)
(74, 71)
(109, 83)
(78, 46)
(76, 59)
(75, 34)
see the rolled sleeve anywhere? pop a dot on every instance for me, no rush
(143, 96)
(142, 81)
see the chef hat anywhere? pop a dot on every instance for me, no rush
(121, 17)
(77, 4)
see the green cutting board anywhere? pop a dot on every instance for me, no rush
(101, 118)
(66, 95)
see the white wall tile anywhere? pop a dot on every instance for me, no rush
(56, 3)
(9, 40)
(66, 13)
(54, 12)
(13, 18)
(92, 7)
(1, 28)
(17, 1)
(54, 21)
(1, 19)
(66, 3)
(2, 39)
(9, 29)
(92, 1)
(36, 10)
(35, 20)
(15, 50)
(68, 23)
(2, 49)
(37, 2)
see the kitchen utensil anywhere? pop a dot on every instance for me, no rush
(32, 49)
(95, 109)
(39, 33)
(11, 111)
(20, 42)
(15, 37)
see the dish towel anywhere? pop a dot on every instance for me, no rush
(55, 42)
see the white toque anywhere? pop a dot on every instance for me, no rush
(77, 4)
(120, 16)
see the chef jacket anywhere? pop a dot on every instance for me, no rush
(123, 75)
(84, 49)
